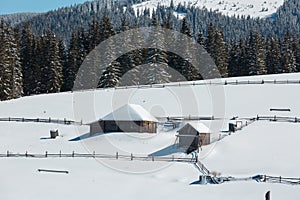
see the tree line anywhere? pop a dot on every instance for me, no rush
(37, 64)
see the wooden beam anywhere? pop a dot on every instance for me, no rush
(53, 171)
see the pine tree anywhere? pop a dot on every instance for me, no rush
(94, 35)
(51, 71)
(106, 28)
(234, 61)
(11, 81)
(256, 55)
(244, 70)
(296, 49)
(27, 54)
(167, 23)
(200, 38)
(111, 75)
(273, 57)
(157, 59)
(220, 55)
(185, 29)
(288, 56)
(132, 61)
(77, 52)
(189, 71)
(210, 39)
(17, 76)
(124, 25)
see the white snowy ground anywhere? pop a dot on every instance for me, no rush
(254, 8)
(262, 148)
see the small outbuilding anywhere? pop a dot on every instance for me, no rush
(128, 118)
(193, 135)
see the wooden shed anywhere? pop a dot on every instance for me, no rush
(193, 135)
(128, 118)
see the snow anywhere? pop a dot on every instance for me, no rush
(130, 112)
(264, 147)
(254, 8)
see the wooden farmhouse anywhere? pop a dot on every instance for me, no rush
(128, 118)
(193, 135)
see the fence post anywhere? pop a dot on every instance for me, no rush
(268, 196)
(49, 119)
(73, 153)
(131, 156)
(279, 179)
(46, 154)
(152, 158)
(7, 153)
(172, 157)
(60, 153)
(117, 155)
(94, 153)
(26, 154)
(9, 119)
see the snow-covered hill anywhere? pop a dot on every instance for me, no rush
(264, 147)
(254, 8)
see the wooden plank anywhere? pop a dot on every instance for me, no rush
(280, 109)
(53, 171)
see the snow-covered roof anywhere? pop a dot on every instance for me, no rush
(200, 127)
(130, 112)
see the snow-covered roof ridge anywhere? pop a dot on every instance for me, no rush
(199, 126)
(130, 112)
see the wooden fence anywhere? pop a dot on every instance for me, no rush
(41, 120)
(274, 118)
(211, 82)
(280, 179)
(200, 166)
(116, 156)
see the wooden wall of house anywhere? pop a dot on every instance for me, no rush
(204, 139)
(187, 140)
(96, 127)
(123, 126)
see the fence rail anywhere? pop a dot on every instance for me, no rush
(211, 82)
(274, 118)
(116, 156)
(41, 120)
(280, 179)
(201, 167)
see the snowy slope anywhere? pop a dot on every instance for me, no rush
(254, 8)
(262, 148)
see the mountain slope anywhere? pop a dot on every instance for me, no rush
(254, 8)
(64, 21)
(18, 17)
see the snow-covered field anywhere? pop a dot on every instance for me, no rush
(254, 8)
(261, 148)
